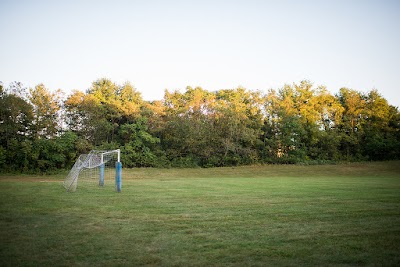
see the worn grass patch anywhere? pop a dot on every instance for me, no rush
(331, 215)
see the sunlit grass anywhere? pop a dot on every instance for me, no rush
(246, 216)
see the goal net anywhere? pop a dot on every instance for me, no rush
(98, 169)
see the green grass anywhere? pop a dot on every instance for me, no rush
(332, 215)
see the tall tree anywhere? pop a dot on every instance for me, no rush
(188, 129)
(46, 107)
(353, 103)
(16, 117)
(378, 138)
(351, 130)
(239, 125)
(284, 130)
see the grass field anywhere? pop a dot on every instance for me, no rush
(330, 215)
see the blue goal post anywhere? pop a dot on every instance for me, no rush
(118, 170)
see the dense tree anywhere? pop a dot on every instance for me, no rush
(97, 114)
(378, 138)
(188, 126)
(46, 107)
(353, 103)
(239, 125)
(30, 141)
(299, 122)
(351, 130)
(138, 145)
(16, 116)
(283, 127)
(212, 128)
(109, 115)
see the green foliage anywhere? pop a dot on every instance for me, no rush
(298, 123)
(3, 157)
(138, 144)
(46, 106)
(16, 118)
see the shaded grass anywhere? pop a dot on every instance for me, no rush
(332, 215)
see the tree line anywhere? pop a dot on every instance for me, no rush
(42, 131)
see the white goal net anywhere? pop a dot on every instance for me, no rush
(98, 169)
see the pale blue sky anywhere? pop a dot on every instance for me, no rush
(158, 45)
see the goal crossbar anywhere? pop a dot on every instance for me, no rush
(118, 151)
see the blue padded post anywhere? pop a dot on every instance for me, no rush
(118, 176)
(101, 177)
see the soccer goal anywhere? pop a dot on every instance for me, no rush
(98, 169)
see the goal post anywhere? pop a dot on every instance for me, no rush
(118, 176)
(103, 166)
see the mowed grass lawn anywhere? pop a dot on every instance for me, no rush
(330, 215)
